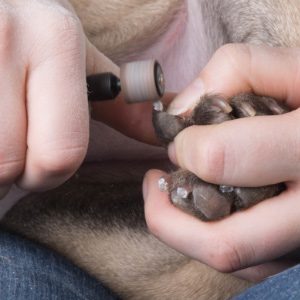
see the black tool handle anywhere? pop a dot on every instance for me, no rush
(104, 86)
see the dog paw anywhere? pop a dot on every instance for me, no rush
(205, 200)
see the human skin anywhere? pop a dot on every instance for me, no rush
(245, 152)
(44, 46)
(45, 58)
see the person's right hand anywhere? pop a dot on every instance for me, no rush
(250, 152)
(43, 97)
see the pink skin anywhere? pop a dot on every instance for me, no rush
(184, 47)
(35, 137)
(42, 65)
(224, 154)
(178, 48)
(192, 50)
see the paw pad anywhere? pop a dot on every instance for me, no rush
(193, 195)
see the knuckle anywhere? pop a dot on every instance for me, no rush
(67, 23)
(235, 56)
(187, 156)
(227, 48)
(206, 158)
(212, 165)
(7, 25)
(225, 257)
(61, 25)
(60, 162)
(292, 146)
(232, 50)
(10, 169)
(61, 30)
(61, 39)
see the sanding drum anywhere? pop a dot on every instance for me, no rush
(139, 81)
(142, 81)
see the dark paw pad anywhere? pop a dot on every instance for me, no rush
(209, 201)
(188, 192)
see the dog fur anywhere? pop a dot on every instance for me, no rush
(98, 221)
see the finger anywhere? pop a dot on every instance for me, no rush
(245, 152)
(237, 68)
(133, 120)
(254, 236)
(253, 274)
(13, 112)
(57, 106)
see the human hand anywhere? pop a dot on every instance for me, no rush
(245, 152)
(44, 58)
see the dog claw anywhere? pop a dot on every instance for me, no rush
(163, 184)
(182, 192)
(226, 189)
(222, 104)
(158, 106)
(179, 198)
(188, 192)
(247, 110)
(275, 107)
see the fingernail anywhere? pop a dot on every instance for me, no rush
(172, 153)
(145, 187)
(187, 99)
(4, 190)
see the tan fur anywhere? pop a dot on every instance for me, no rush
(122, 28)
(134, 274)
(119, 253)
(128, 259)
(272, 22)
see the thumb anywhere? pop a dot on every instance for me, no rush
(237, 68)
(244, 152)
